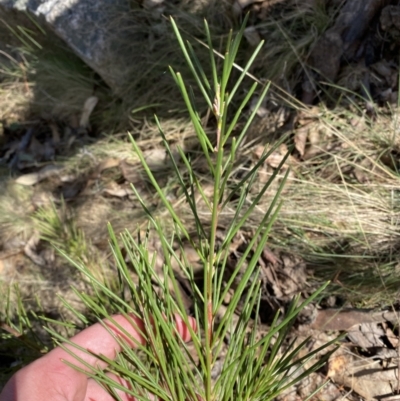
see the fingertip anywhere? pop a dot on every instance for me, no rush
(193, 323)
(182, 328)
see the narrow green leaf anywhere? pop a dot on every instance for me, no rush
(190, 63)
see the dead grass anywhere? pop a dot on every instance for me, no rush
(15, 205)
(340, 208)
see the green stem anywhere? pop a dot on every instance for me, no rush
(209, 271)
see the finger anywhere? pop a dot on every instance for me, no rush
(49, 378)
(96, 392)
(98, 340)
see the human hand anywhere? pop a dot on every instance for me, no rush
(50, 379)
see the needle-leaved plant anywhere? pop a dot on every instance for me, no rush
(250, 367)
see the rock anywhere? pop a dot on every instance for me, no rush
(94, 30)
